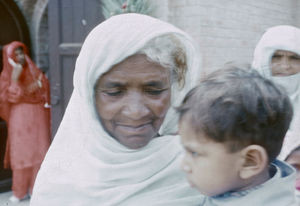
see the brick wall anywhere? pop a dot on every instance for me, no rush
(39, 26)
(26, 7)
(297, 13)
(224, 30)
(35, 13)
(42, 43)
(160, 8)
(229, 30)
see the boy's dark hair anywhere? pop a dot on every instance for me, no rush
(239, 107)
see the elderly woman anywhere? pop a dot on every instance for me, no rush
(277, 56)
(116, 144)
(24, 92)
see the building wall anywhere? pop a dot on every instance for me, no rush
(224, 30)
(229, 30)
(27, 7)
(35, 13)
(297, 13)
(160, 9)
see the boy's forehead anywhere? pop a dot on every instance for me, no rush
(188, 133)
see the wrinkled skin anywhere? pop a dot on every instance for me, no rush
(132, 99)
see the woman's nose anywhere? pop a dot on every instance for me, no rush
(285, 63)
(135, 107)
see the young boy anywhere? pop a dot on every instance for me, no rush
(232, 127)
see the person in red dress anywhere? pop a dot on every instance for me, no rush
(24, 93)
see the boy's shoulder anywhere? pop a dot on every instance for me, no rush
(277, 191)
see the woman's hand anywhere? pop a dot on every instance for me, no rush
(17, 70)
(14, 94)
(35, 85)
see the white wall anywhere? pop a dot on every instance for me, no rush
(227, 30)
(297, 13)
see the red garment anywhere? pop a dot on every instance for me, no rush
(28, 121)
(23, 181)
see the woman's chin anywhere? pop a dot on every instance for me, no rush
(135, 137)
(136, 142)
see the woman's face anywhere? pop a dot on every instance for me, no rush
(285, 63)
(20, 56)
(132, 99)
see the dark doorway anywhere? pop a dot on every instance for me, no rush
(13, 28)
(69, 23)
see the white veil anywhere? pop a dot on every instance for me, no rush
(279, 38)
(287, 38)
(84, 165)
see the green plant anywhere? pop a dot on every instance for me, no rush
(114, 7)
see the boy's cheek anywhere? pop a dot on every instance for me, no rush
(184, 165)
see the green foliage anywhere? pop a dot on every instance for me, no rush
(114, 7)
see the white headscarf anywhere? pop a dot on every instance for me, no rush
(281, 38)
(86, 166)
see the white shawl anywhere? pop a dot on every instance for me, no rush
(86, 166)
(281, 38)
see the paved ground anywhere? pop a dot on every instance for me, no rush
(5, 202)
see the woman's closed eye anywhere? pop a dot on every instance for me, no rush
(295, 57)
(276, 56)
(154, 91)
(112, 92)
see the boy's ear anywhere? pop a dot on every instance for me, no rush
(254, 161)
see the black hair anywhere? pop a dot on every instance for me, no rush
(239, 107)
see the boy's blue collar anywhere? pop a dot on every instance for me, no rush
(274, 171)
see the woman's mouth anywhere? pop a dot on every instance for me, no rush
(135, 136)
(135, 129)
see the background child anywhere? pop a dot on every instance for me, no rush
(291, 152)
(232, 127)
(294, 160)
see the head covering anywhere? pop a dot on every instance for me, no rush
(287, 38)
(279, 38)
(86, 166)
(28, 122)
(30, 73)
